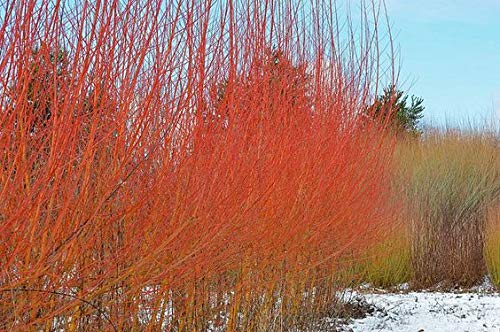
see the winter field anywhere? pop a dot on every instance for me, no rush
(231, 166)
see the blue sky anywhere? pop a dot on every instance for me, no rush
(450, 52)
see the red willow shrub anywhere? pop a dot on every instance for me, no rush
(147, 145)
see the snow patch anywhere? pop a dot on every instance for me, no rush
(423, 311)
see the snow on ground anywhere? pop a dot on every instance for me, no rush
(429, 312)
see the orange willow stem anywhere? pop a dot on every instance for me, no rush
(148, 145)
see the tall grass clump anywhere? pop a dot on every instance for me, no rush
(185, 165)
(453, 179)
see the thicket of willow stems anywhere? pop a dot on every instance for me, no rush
(184, 164)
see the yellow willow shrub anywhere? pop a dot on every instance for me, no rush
(453, 179)
(492, 244)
